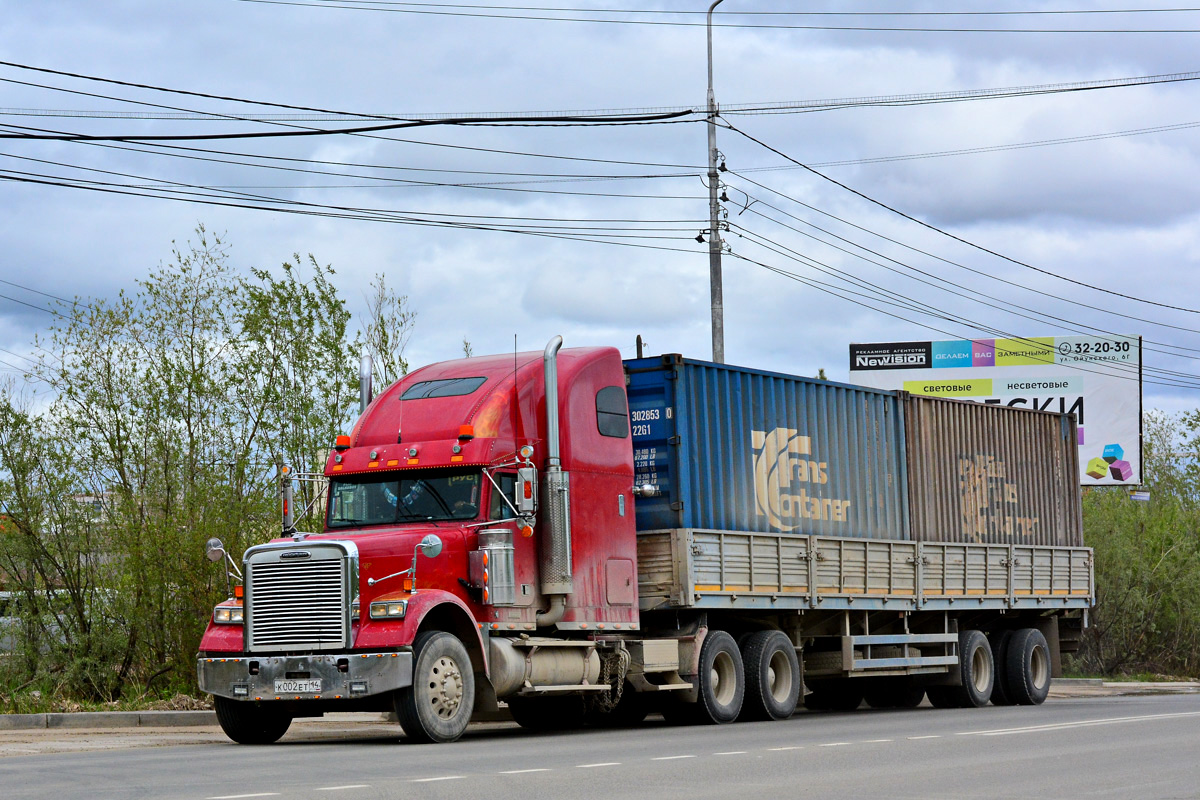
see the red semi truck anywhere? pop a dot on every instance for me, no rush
(587, 540)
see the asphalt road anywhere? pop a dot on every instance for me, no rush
(1142, 747)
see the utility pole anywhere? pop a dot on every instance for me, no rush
(714, 212)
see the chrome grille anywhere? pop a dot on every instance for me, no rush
(297, 605)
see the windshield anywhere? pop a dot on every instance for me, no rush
(381, 499)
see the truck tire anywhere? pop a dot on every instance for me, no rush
(438, 705)
(844, 694)
(1027, 667)
(975, 669)
(547, 713)
(772, 676)
(1000, 641)
(722, 680)
(249, 723)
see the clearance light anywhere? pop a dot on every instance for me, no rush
(239, 591)
(466, 432)
(391, 609)
(342, 443)
(227, 615)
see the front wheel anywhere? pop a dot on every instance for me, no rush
(249, 723)
(438, 705)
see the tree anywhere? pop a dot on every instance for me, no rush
(172, 411)
(389, 325)
(1147, 615)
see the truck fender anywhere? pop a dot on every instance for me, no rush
(436, 609)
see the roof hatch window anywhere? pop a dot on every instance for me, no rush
(446, 387)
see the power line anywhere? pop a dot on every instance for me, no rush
(949, 235)
(368, 5)
(999, 305)
(822, 287)
(771, 107)
(894, 298)
(981, 273)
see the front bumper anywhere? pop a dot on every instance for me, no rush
(342, 676)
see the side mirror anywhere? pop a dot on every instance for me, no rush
(526, 499)
(430, 546)
(214, 550)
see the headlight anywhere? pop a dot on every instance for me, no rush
(392, 609)
(227, 615)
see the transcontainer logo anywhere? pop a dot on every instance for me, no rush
(785, 472)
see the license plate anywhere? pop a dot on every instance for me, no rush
(295, 686)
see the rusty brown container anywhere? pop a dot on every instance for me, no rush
(991, 474)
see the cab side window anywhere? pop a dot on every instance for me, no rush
(612, 415)
(498, 508)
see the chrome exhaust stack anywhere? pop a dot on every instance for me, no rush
(556, 493)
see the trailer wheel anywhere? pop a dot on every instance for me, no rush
(438, 705)
(249, 723)
(547, 713)
(722, 680)
(772, 676)
(1000, 642)
(975, 669)
(1028, 667)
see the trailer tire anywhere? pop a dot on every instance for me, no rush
(547, 713)
(1027, 667)
(249, 723)
(1000, 642)
(438, 705)
(722, 680)
(977, 673)
(772, 676)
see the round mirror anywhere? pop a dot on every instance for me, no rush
(214, 550)
(431, 545)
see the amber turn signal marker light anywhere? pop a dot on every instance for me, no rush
(526, 531)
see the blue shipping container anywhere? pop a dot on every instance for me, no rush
(732, 448)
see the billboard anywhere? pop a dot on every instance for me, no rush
(1096, 378)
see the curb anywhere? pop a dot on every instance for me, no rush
(108, 719)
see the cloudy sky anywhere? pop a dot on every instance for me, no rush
(1089, 201)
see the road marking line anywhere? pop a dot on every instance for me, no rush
(833, 744)
(795, 747)
(442, 778)
(670, 758)
(914, 738)
(240, 796)
(601, 764)
(523, 771)
(339, 788)
(876, 741)
(1058, 726)
(731, 753)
